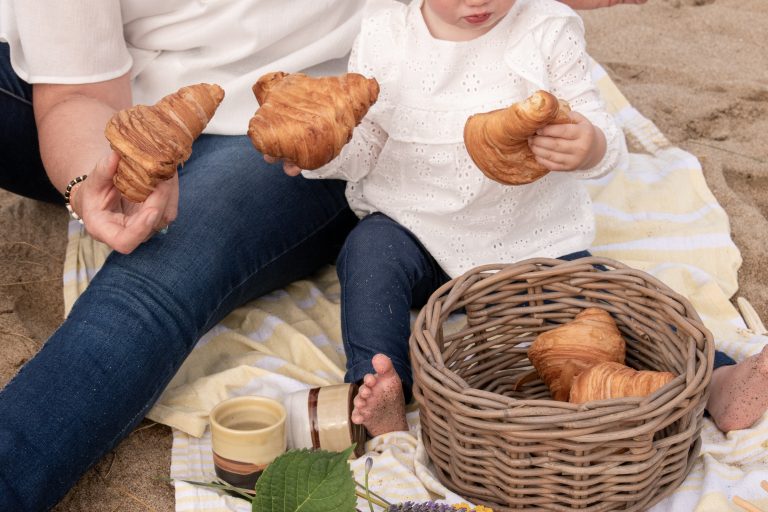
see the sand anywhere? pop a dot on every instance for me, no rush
(697, 68)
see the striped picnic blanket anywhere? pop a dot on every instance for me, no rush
(657, 215)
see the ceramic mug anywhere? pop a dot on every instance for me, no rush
(247, 434)
(319, 418)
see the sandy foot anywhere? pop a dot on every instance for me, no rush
(738, 396)
(379, 404)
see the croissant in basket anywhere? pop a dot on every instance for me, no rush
(497, 141)
(614, 380)
(153, 140)
(558, 355)
(307, 120)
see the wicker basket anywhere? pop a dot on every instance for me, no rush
(511, 446)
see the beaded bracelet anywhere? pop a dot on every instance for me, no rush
(68, 191)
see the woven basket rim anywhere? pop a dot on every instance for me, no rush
(588, 264)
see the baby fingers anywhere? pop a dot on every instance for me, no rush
(552, 144)
(553, 154)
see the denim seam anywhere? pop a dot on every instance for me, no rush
(16, 96)
(348, 348)
(143, 412)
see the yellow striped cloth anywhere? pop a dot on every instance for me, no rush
(657, 215)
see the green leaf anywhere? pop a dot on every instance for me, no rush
(307, 481)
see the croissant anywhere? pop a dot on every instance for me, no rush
(614, 380)
(307, 120)
(558, 355)
(497, 141)
(153, 140)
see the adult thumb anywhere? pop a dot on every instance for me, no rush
(105, 169)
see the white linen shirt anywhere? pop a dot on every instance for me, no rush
(407, 158)
(167, 44)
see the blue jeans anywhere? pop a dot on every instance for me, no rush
(243, 229)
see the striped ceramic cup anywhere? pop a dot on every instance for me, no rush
(247, 433)
(319, 418)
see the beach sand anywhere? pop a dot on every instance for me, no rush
(697, 68)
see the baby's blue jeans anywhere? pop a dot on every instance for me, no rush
(385, 272)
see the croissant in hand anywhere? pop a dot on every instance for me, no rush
(497, 141)
(558, 355)
(614, 380)
(153, 140)
(307, 120)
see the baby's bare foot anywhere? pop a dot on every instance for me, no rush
(739, 393)
(379, 404)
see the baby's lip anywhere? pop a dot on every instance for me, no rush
(478, 18)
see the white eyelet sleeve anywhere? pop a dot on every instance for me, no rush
(570, 78)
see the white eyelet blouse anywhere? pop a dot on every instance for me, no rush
(407, 158)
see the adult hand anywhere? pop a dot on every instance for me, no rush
(569, 147)
(289, 168)
(117, 222)
(596, 4)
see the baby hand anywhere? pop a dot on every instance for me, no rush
(569, 147)
(289, 168)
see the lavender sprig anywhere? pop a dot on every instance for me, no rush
(432, 506)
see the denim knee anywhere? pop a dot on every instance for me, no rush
(380, 245)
